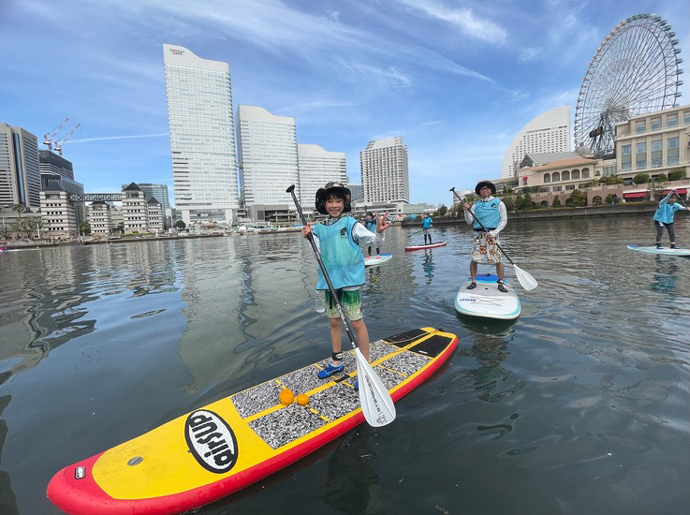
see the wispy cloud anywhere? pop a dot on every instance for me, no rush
(462, 18)
(112, 138)
(315, 105)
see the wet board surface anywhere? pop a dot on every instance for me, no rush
(664, 250)
(432, 246)
(229, 444)
(377, 260)
(486, 300)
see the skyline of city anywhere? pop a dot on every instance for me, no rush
(457, 98)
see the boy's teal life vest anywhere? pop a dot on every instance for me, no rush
(664, 212)
(426, 222)
(487, 213)
(340, 254)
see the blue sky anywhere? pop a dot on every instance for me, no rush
(456, 79)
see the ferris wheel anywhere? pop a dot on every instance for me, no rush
(634, 71)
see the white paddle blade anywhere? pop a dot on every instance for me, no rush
(526, 280)
(376, 402)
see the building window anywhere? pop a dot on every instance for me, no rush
(672, 120)
(640, 126)
(656, 123)
(672, 150)
(575, 174)
(547, 177)
(686, 117)
(657, 153)
(557, 188)
(570, 187)
(556, 176)
(641, 155)
(585, 173)
(626, 158)
(565, 176)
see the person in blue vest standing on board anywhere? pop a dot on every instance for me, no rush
(338, 239)
(663, 217)
(426, 228)
(370, 223)
(492, 214)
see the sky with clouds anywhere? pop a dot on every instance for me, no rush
(456, 79)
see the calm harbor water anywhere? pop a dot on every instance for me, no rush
(580, 406)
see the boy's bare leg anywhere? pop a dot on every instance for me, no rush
(362, 336)
(336, 337)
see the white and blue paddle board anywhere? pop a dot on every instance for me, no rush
(664, 250)
(486, 300)
(377, 260)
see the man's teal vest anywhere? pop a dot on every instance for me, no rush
(487, 213)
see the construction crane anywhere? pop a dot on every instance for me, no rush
(48, 138)
(59, 144)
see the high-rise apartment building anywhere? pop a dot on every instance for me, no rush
(200, 117)
(317, 167)
(385, 176)
(547, 133)
(20, 181)
(267, 152)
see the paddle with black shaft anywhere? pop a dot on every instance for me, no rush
(376, 402)
(526, 280)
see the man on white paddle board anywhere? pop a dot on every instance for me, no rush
(338, 239)
(663, 217)
(492, 214)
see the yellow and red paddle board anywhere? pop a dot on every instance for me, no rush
(229, 444)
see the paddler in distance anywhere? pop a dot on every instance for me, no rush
(492, 214)
(663, 217)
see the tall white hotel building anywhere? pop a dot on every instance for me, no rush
(200, 117)
(317, 167)
(385, 176)
(268, 161)
(547, 133)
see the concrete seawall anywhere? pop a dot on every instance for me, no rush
(630, 209)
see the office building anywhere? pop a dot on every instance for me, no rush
(54, 163)
(200, 116)
(268, 161)
(20, 181)
(99, 218)
(654, 143)
(61, 216)
(160, 193)
(385, 176)
(317, 167)
(547, 133)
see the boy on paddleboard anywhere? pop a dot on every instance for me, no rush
(492, 214)
(663, 217)
(338, 239)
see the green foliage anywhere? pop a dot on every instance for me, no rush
(556, 202)
(676, 174)
(441, 212)
(662, 177)
(85, 228)
(609, 199)
(577, 198)
(613, 179)
(180, 225)
(509, 202)
(641, 178)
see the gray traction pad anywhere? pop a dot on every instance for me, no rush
(287, 424)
